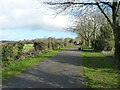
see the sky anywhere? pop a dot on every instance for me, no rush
(30, 19)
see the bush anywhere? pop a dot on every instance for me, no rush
(49, 45)
(11, 51)
(20, 48)
(104, 41)
(103, 44)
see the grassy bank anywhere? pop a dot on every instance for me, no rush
(100, 70)
(27, 63)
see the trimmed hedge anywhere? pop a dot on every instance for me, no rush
(13, 51)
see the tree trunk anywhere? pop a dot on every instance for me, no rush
(84, 42)
(117, 43)
(116, 30)
(89, 43)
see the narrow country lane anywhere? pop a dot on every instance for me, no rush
(64, 70)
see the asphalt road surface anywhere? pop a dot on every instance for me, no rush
(64, 70)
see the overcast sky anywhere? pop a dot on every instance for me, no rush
(29, 19)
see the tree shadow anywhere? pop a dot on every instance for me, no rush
(36, 78)
(67, 56)
(90, 50)
(105, 65)
(39, 77)
(66, 59)
(100, 62)
(71, 49)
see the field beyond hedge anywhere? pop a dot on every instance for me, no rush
(28, 47)
(100, 70)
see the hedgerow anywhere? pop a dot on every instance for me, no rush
(13, 51)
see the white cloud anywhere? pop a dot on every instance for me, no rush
(28, 14)
(59, 21)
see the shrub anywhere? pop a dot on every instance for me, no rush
(20, 48)
(11, 51)
(103, 44)
(104, 41)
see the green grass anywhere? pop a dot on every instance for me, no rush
(100, 70)
(28, 47)
(25, 64)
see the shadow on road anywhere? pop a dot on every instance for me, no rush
(72, 60)
(60, 71)
(41, 79)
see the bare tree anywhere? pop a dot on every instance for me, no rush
(112, 5)
(87, 27)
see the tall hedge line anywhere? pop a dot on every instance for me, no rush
(13, 51)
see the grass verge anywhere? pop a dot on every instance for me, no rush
(100, 70)
(24, 64)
